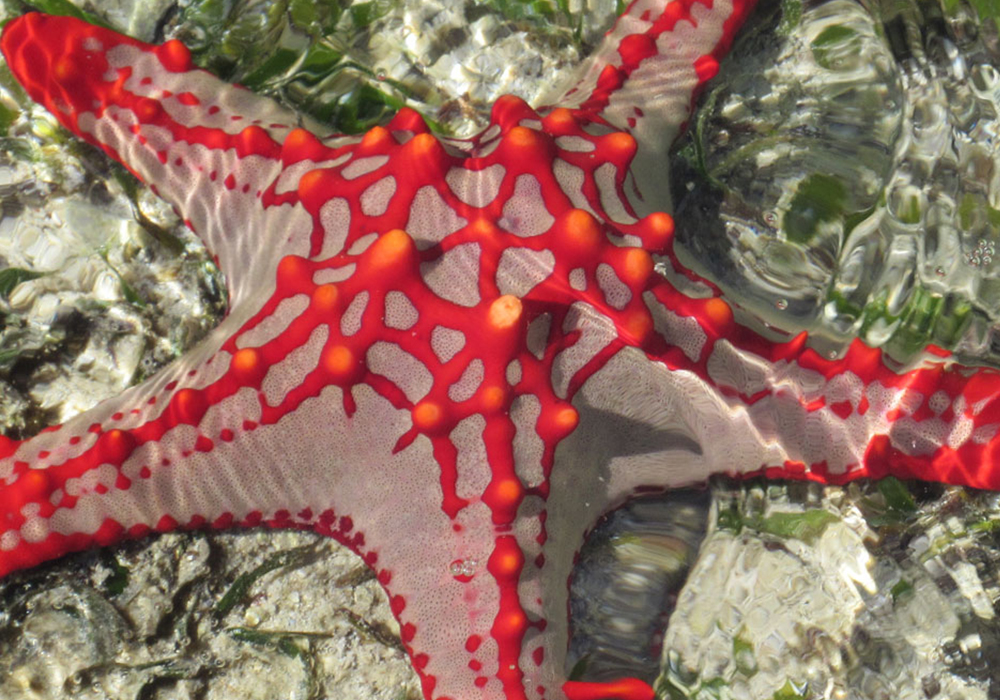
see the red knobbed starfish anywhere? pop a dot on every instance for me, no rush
(452, 356)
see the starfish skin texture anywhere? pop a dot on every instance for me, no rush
(452, 356)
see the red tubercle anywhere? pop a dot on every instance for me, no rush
(706, 68)
(147, 110)
(716, 316)
(203, 444)
(619, 148)
(223, 522)
(673, 13)
(248, 367)
(281, 518)
(343, 364)
(166, 524)
(255, 141)
(634, 266)
(656, 231)
(494, 399)
(578, 238)
(294, 276)
(422, 159)
(521, 144)
(503, 327)
(115, 446)
(108, 533)
(509, 110)
(301, 144)
(376, 141)
(610, 80)
(431, 418)
(503, 496)
(636, 48)
(174, 56)
(562, 122)
(188, 407)
(393, 254)
(397, 604)
(408, 119)
(31, 486)
(557, 420)
(842, 409)
(188, 99)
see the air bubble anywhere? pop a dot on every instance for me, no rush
(781, 304)
(465, 567)
(982, 255)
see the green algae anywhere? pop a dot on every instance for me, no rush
(238, 592)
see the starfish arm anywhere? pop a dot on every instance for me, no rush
(644, 76)
(207, 147)
(101, 476)
(788, 412)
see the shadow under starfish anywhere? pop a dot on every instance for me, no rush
(452, 356)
